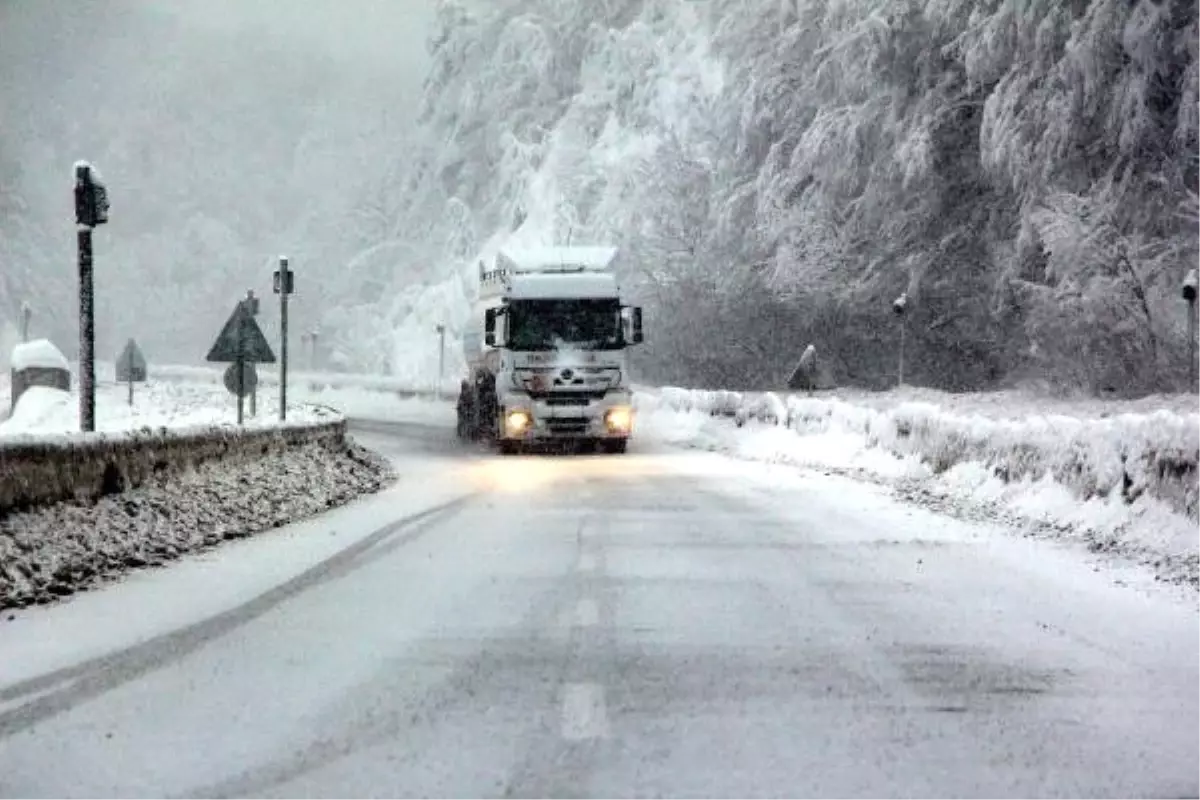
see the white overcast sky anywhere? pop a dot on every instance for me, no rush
(373, 32)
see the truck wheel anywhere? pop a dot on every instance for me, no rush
(509, 448)
(614, 446)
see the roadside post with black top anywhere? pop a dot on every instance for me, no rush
(91, 209)
(284, 284)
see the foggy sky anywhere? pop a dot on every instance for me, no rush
(212, 114)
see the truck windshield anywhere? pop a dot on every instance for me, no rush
(565, 324)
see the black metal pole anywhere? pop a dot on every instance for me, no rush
(1192, 346)
(87, 334)
(283, 353)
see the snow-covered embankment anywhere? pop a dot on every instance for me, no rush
(1124, 483)
(166, 476)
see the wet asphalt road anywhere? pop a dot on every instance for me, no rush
(657, 624)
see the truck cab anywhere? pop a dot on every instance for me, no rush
(547, 351)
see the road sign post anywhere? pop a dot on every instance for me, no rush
(284, 286)
(91, 209)
(131, 366)
(241, 342)
(252, 306)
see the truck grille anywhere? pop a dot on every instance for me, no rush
(573, 400)
(567, 398)
(567, 426)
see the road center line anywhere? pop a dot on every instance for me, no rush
(583, 712)
(587, 615)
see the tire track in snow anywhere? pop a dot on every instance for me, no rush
(80, 683)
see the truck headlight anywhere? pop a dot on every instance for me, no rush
(516, 422)
(619, 419)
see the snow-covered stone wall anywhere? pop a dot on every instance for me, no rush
(41, 471)
(258, 482)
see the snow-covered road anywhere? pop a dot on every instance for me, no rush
(664, 623)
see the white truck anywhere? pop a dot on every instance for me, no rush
(546, 351)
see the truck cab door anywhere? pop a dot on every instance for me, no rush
(494, 327)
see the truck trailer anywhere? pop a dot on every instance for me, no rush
(546, 352)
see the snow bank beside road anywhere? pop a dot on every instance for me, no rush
(1126, 483)
(60, 549)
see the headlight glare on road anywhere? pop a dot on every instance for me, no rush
(516, 422)
(619, 419)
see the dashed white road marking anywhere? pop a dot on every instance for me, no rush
(583, 712)
(586, 613)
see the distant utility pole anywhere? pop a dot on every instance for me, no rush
(1189, 294)
(26, 318)
(441, 329)
(899, 305)
(91, 209)
(284, 286)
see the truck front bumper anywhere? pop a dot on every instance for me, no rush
(565, 417)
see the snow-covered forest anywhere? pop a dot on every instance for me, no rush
(776, 172)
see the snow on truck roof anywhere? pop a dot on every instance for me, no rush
(546, 273)
(543, 259)
(552, 285)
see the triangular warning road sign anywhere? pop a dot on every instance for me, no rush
(254, 344)
(131, 364)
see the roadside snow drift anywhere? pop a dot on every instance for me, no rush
(60, 549)
(1126, 483)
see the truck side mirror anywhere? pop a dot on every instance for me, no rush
(489, 327)
(638, 338)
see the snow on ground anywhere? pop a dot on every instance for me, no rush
(156, 404)
(387, 406)
(1122, 483)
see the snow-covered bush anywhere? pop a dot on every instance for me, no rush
(1127, 456)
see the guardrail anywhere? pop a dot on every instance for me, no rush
(44, 470)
